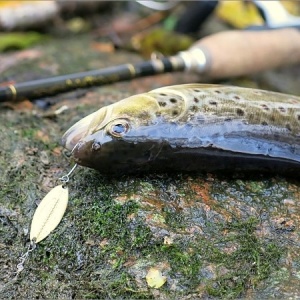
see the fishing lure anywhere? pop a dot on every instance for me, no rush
(191, 127)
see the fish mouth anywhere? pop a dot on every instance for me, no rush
(87, 151)
(82, 150)
(77, 132)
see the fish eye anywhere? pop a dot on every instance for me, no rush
(118, 128)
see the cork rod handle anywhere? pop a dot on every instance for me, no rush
(236, 53)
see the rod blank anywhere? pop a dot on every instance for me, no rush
(51, 86)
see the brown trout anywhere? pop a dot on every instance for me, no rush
(191, 127)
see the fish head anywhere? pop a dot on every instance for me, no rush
(111, 135)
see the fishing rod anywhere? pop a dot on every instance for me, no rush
(58, 84)
(221, 55)
(51, 86)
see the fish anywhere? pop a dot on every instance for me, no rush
(191, 127)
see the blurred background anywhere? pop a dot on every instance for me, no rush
(36, 33)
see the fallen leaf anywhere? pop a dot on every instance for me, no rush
(42, 136)
(78, 25)
(239, 14)
(155, 279)
(103, 47)
(168, 240)
(25, 105)
(103, 243)
(57, 151)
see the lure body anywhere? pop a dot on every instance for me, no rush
(191, 127)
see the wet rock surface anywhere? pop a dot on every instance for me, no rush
(212, 236)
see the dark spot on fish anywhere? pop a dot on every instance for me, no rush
(236, 97)
(96, 146)
(162, 94)
(196, 100)
(196, 90)
(281, 109)
(240, 112)
(144, 114)
(264, 123)
(265, 107)
(162, 104)
(288, 127)
(298, 117)
(228, 119)
(194, 108)
(217, 91)
(212, 102)
(174, 113)
(173, 100)
(158, 114)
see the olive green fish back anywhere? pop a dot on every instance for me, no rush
(212, 103)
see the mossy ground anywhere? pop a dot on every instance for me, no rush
(212, 236)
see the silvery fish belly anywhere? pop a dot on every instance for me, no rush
(192, 127)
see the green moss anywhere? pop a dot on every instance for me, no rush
(184, 259)
(28, 133)
(109, 221)
(117, 223)
(141, 236)
(173, 218)
(252, 262)
(19, 40)
(115, 285)
(98, 237)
